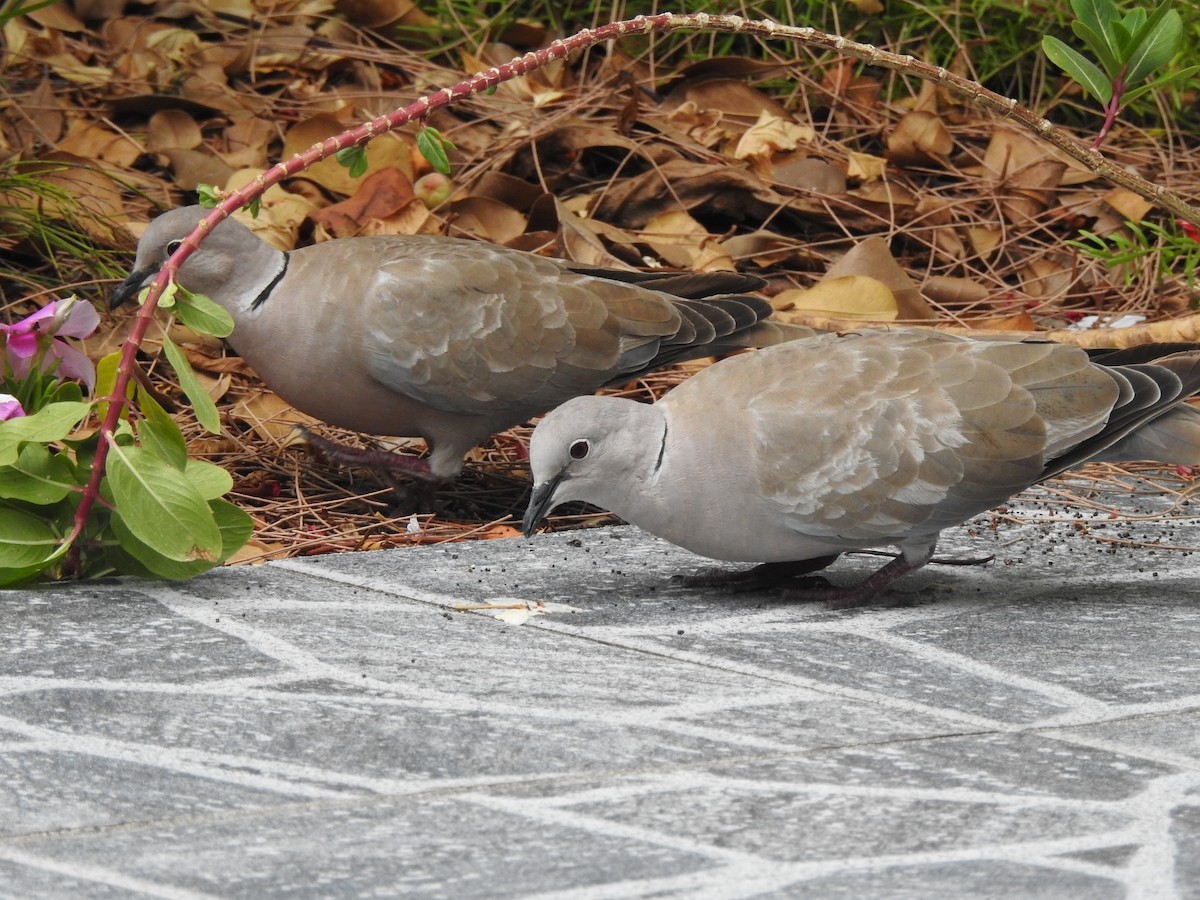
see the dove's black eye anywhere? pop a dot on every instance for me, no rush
(173, 246)
(579, 449)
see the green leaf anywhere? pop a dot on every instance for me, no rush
(210, 480)
(51, 423)
(433, 147)
(1099, 48)
(353, 158)
(162, 510)
(1156, 44)
(202, 404)
(166, 300)
(1123, 37)
(39, 476)
(158, 433)
(134, 557)
(65, 392)
(235, 524)
(27, 545)
(1161, 81)
(1080, 69)
(199, 313)
(1095, 13)
(209, 195)
(1093, 25)
(106, 381)
(139, 559)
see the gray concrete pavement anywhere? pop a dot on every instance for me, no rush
(340, 727)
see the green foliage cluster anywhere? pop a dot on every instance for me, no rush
(161, 514)
(1173, 252)
(1127, 49)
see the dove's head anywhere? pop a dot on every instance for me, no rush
(594, 449)
(227, 256)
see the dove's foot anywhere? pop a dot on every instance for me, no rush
(397, 463)
(418, 495)
(875, 590)
(767, 575)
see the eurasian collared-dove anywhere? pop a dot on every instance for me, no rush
(797, 453)
(445, 339)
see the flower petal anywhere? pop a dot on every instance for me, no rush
(82, 320)
(22, 345)
(10, 408)
(30, 322)
(73, 364)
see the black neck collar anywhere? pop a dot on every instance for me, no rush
(266, 292)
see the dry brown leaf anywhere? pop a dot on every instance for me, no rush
(246, 142)
(683, 243)
(413, 218)
(674, 226)
(501, 531)
(193, 168)
(847, 297)
(580, 240)
(1045, 277)
(96, 142)
(98, 10)
(269, 416)
(810, 174)
(489, 219)
(865, 167)
(280, 214)
(384, 151)
(739, 103)
(771, 134)
(286, 47)
(951, 290)
(46, 115)
(381, 195)
(872, 258)
(1010, 151)
(984, 239)
(705, 127)
(918, 138)
(678, 184)
(256, 552)
(57, 17)
(765, 248)
(90, 188)
(514, 192)
(1029, 191)
(1128, 205)
(888, 194)
(171, 129)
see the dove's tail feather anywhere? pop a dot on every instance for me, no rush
(1151, 420)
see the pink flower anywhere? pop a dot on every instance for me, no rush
(10, 408)
(24, 340)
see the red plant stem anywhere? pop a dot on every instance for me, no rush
(981, 96)
(1111, 109)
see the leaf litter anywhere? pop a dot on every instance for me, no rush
(796, 167)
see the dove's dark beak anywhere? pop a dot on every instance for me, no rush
(130, 287)
(540, 504)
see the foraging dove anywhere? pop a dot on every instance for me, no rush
(445, 339)
(794, 454)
